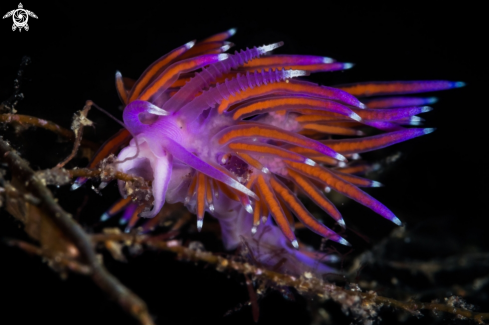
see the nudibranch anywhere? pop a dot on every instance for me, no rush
(239, 135)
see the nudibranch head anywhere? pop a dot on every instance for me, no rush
(239, 135)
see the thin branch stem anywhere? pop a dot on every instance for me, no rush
(26, 120)
(80, 120)
(106, 281)
(93, 173)
(307, 286)
(61, 260)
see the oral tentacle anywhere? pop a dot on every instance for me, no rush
(198, 164)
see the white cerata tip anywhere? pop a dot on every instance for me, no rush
(339, 157)
(396, 221)
(232, 31)
(295, 244)
(190, 44)
(270, 47)
(355, 116)
(104, 217)
(327, 60)
(376, 184)
(200, 223)
(310, 162)
(348, 65)
(75, 186)
(222, 56)
(253, 230)
(343, 241)
(249, 208)
(426, 109)
(226, 47)
(341, 222)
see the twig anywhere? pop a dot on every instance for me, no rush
(106, 281)
(92, 173)
(304, 285)
(63, 261)
(26, 120)
(80, 120)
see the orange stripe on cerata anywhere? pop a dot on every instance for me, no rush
(227, 190)
(355, 169)
(209, 196)
(310, 190)
(250, 160)
(283, 86)
(283, 62)
(111, 146)
(121, 89)
(324, 160)
(256, 214)
(269, 60)
(119, 205)
(372, 89)
(191, 188)
(128, 83)
(218, 37)
(285, 209)
(266, 132)
(135, 216)
(180, 82)
(275, 208)
(243, 198)
(148, 75)
(171, 72)
(355, 180)
(266, 149)
(302, 214)
(314, 155)
(330, 129)
(201, 195)
(354, 146)
(288, 103)
(315, 118)
(335, 182)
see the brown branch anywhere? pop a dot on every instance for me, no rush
(26, 120)
(93, 173)
(60, 260)
(107, 282)
(80, 120)
(306, 285)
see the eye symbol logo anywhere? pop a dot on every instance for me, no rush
(20, 17)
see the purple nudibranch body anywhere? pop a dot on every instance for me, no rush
(241, 135)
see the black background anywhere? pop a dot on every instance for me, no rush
(439, 185)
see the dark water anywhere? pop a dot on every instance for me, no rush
(437, 187)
